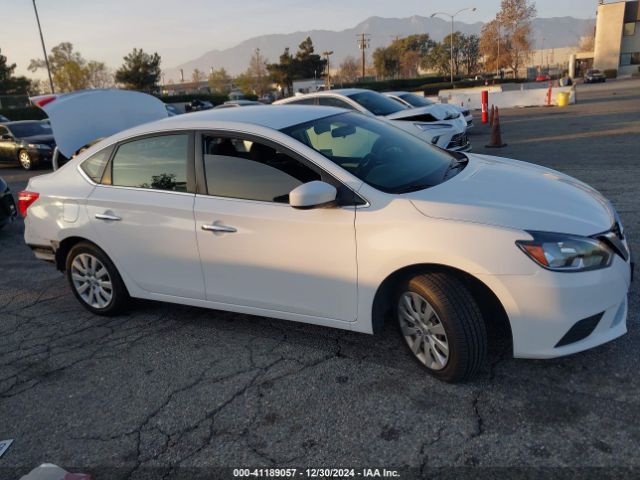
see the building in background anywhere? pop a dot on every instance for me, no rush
(617, 39)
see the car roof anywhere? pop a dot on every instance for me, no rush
(20, 122)
(396, 94)
(276, 117)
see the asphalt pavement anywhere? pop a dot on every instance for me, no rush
(169, 391)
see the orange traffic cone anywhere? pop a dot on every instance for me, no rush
(491, 112)
(496, 135)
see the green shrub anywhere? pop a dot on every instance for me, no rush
(610, 73)
(28, 113)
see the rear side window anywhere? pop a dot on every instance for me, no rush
(158, 163)
(303, 101)
(94, 165)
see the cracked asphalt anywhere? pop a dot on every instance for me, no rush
(170, 392)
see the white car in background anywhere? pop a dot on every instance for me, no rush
(413, 100)
(335, 218)
(437, 126)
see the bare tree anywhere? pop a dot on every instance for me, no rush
(198, 76)
(515, 21)
(349, 70)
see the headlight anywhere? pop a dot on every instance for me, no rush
(452, 116)
(566, 253)
(39, 146)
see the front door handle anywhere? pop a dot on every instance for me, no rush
(216, 227)
(107, 216)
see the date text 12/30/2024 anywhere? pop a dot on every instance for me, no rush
(315, 473)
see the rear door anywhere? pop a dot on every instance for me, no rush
(143, 214)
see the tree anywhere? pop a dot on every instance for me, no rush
(282, 72)
(349, 70)
(439, 59)
(220, 81)
(493, 44)
(140, 71)
(515, 20)
(68, 68)
(197, 76)
(386, 61)
(470, 53)
(404, 56)
(307, 64)
(10, 84)
(98, 75)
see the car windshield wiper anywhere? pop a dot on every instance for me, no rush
(413, 187)
(456, 165)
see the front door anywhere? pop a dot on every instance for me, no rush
(144, 215)
(258, 251)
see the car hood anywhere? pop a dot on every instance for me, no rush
(438, 111)
(519, 195)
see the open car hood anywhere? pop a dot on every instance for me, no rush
(431, 113)
(79, 118)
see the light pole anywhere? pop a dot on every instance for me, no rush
(498, 55)
(473, 9)
(44, 49)
(328, 54)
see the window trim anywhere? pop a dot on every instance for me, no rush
(344, 191)
(107, 176)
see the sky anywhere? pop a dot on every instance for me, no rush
(182, 30)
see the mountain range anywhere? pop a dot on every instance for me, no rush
(547, 32)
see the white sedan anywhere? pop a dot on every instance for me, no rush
(324, 216)
(413, 100)
(436, 124)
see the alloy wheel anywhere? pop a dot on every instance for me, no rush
(91, 280)
(25, 160)
(423, 331)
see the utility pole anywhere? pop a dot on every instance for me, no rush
(498, 56)
(364, 40)
(452, 16)
(44, 49)
(327, 54)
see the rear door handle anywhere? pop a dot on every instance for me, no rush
(216, 227)
(107, 216)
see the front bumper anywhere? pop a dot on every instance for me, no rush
(544, 308)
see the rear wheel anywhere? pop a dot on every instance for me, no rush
(442, 326)
(25, 160)
(95, 281)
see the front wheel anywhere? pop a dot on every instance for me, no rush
(95, 281)
(442, 326)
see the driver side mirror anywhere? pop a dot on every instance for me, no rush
(314, 194)
(6, 136)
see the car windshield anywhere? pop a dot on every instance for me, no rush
(376, 103)
(382, 155)
(30, 129)
(416, 100)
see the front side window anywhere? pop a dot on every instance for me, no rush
(94, 165)
(303, 101)
(30, 129)
(379, 154)
(158, 163)
(416, 100)
(241, 168)
(376, 103)
(334, 102)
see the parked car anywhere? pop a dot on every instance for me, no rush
(330, 217)
(423, 122)
(413, 100)
(594, 76)
(239, 103)
(543, 78)
(4, 119)
(172, 110)
(7, 204)
(198, 105)
(28, 143)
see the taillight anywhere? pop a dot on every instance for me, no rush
(25, 199)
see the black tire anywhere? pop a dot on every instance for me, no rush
(459, 314)
(119, 298)
(26, 161)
